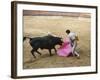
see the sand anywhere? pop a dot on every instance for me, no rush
(40, 25)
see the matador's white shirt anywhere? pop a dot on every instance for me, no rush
(72, 36)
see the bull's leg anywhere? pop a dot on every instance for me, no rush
(32, 51)
(50, 52)
(38, 52)
(55, 50)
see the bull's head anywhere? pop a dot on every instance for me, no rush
(59, 40)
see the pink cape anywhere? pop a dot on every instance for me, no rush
(65, 49)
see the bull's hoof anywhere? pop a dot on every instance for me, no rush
(51, 55)
(34, 57)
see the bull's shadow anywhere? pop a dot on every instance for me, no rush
(43, 56)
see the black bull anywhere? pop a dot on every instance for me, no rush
(46, 42)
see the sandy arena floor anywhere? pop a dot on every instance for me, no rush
(40, 25)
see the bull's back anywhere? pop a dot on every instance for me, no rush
(42, 42)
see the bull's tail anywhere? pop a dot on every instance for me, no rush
(24, 38)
